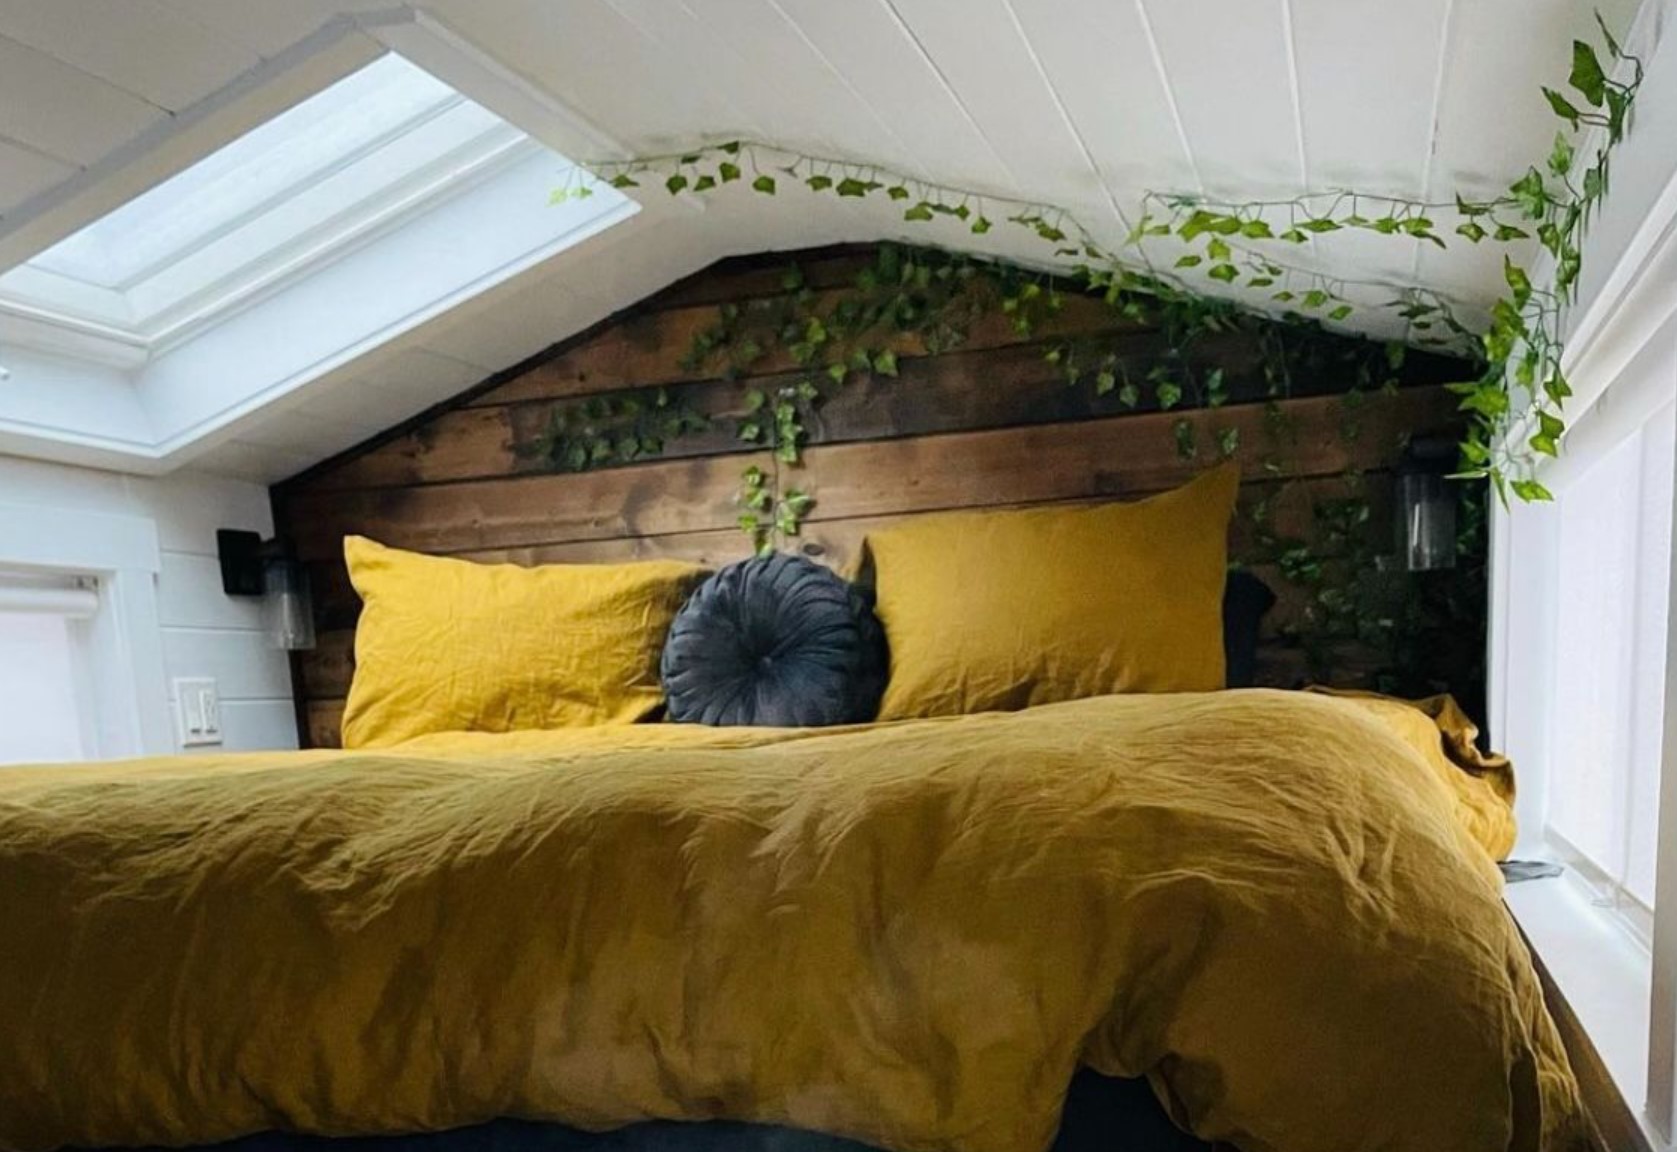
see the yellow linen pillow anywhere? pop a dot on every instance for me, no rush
(987, 611)
(451, 646)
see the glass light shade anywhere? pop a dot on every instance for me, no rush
(287, 608)
(1427, 521)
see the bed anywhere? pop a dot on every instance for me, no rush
(1279, 908)
(1026, 875)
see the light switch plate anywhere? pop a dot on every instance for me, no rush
(197, 712)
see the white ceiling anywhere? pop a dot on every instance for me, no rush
(1086, 104)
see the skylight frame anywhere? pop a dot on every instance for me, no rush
(441, 146)
(149, 409)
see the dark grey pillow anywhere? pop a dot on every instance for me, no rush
(1245, 601)
(776, 641)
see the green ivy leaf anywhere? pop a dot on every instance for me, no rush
(1217, 250)
(675, 183)
(624, 180)
(1518, 281)
(754, 400)
(885, 363)
(1595, 184)
(1507, 232)
(704, 183)
(1198, 222)
(850, 186)
(1531, 194)
(1340, 313)
(981, 225)
(1227, 273)
(1228, 442)
(1168, 393)
(1189, 261)
(1129, 395)
(1607, 37)
(1294, 236)
(1560, 156)
(1256, 230)
(1183, 430)
(1587, 75)
(1531, 491)
(1563, 107)
(728, 171)
(921, 211)
(1105, 381)
(819, 183)
(1472, 230)
(751, 431)
(1323, 225)
(1315, 298)
(763, 184)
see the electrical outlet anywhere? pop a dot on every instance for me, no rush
(197, 712)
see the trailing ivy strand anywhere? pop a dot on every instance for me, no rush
(1240, 248)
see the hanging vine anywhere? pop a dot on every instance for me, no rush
(1514, 404)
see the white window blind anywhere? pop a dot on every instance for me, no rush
(1606, 702)
(45, 698)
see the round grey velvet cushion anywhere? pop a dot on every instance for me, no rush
(776, 641)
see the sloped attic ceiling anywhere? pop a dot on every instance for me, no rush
(1085, 104)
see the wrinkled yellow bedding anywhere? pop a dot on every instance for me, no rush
(1279, 906)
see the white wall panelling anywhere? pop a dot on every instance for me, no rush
(1083, 103)
(181, 619)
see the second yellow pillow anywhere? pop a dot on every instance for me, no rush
(1000, 610)
(450, 646)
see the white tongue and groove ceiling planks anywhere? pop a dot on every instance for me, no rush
(1086, 104)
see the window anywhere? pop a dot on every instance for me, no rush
(1613, 565)
(380, 145)
(46, 698)
(346, 196)
(1581, 676)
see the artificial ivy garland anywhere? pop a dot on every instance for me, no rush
(1235, 245)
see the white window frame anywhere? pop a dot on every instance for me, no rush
(1617, 979)
(124, 639)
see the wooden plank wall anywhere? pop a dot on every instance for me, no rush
(990, 424)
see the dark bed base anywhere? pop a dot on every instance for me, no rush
(1102, 1115)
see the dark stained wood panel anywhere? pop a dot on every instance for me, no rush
(991, 423)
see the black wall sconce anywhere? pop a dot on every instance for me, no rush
(1426, 507)
(251, 566)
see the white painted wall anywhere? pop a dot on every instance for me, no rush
(202, 631)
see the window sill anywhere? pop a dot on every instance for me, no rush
(1598, 976)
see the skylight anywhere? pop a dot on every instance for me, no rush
(379, 143)
(248, 177)
(343, 222)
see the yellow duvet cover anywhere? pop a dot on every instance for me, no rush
(1280, 907)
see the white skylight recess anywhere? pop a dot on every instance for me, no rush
(373, 200)
(379, 144)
